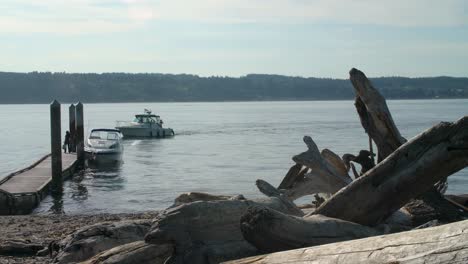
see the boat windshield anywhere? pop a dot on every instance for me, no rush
(144, 119)
(104, 135)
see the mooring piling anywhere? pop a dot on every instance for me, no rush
(56, 147)
(79, 134)
(72, 127)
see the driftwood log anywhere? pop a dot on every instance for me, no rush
(270, 231)
(19, 248)
(208, 231)
(375, 117)
(411, 170)
(327, 173)
(91, 240)
(135, 252)
(191, 197)
(442, 244)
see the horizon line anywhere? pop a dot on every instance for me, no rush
(230, 76)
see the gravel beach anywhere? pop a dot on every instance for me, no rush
(41, 230)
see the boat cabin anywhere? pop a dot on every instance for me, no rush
(104, 134)
(147, 118)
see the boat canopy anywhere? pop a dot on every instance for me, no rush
(146, 115)
(106, 130)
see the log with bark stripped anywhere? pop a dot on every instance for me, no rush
(208, 231)
(410, 171)
(442, 244)
(270, 231)
(375, 116)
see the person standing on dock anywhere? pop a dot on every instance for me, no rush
(67, 143)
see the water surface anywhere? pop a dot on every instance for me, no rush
(220, 148)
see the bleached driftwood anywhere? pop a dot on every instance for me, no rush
(191, 197)
(291, 177)
(270, 231)
(271, 191)
(208, 232)
(327, 173)
(334, 160)
(378, 123)
(375, 116)
(442, 244)
(313, 183)
(135, 252)
(411, 170)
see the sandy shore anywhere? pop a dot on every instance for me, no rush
(43, 229)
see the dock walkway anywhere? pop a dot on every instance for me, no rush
(23, 190)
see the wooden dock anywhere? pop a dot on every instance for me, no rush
(23, 190)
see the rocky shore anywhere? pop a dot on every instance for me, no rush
(30, 231)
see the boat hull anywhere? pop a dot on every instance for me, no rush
(146, 132)
(103, 156)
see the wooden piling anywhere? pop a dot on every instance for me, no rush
(79, 134)
(56, 147)
(72, 126)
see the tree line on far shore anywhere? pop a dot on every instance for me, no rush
(42, 87)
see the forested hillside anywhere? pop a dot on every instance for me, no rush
(42, 87)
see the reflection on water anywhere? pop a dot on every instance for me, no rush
(57, 204)
(96, 177)
(220, 148)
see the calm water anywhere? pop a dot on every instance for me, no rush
(220, 148)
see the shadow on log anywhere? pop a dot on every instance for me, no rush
(271, 231)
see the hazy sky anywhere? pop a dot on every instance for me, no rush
(321, 38)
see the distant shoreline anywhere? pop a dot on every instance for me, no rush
(238, 101)
(43, 87)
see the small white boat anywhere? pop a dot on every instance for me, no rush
(104, 145)
(145, 125)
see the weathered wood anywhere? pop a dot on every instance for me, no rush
(442, 244)
(290, 177)
(56, 147)
(21, 191)
(408, 172)
(271, 191)
(208, 232)
(136, 252)
(327, 175)
(336, 162)
(461, 199)
(19, 248)
(80, 133)
(432, 206)
(378, 123)
(313, 159)
(364, 158)
(72, 126)
(375, 116)
(91, 240)
(271, 231)
(313, 183)
(191, 197)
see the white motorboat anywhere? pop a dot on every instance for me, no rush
(145, 125)
(104, 145)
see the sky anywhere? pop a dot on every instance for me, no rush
(310, 38)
